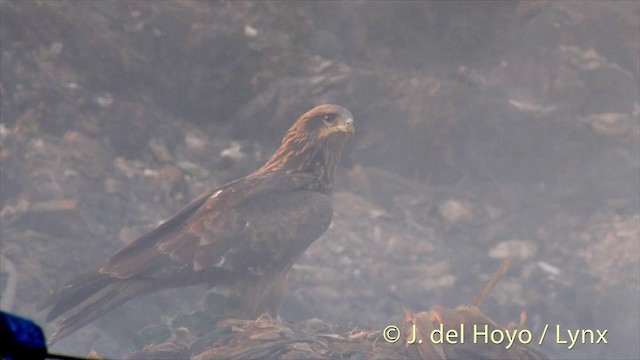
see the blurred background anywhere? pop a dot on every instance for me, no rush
(486, 130)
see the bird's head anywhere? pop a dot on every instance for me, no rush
(325, 124)
(314, 143)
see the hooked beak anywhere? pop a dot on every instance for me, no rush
(348, 127)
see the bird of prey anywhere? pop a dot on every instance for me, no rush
(242, 237)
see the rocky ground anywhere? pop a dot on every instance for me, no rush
(486, 130)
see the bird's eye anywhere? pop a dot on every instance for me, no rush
(329, 120)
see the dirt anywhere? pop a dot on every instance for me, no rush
(485, 131)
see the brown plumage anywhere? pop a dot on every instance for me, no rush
(243, 236)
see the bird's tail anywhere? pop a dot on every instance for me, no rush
(86, 298)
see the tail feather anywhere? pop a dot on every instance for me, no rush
(88, 297)
(96, 305)
(74, 292)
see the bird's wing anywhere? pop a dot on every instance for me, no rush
(200, 234)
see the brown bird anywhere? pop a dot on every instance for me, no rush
(242, 237)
